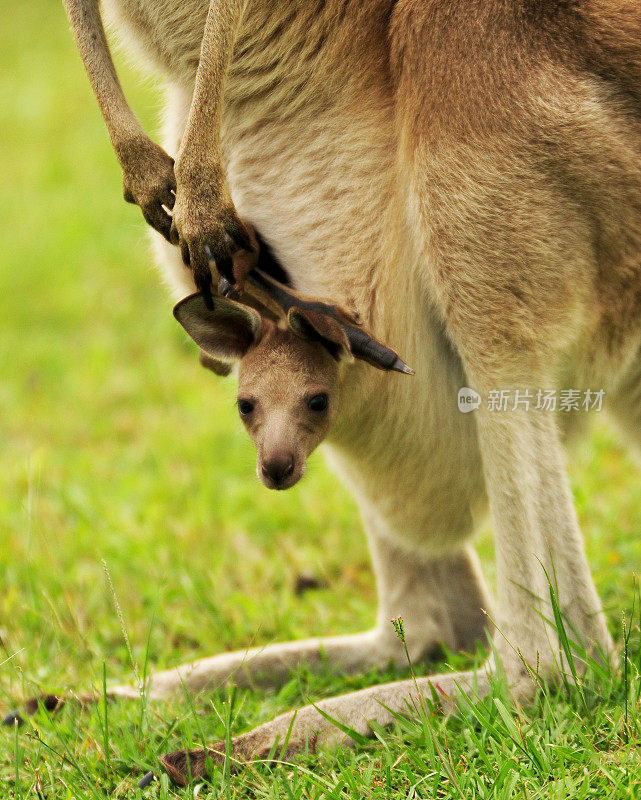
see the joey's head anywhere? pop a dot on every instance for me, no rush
(288, 394)
(290, 370)
(288, 377)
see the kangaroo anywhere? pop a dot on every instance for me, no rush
(467, 174)
(289, 373)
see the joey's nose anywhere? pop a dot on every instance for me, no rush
(277, 470)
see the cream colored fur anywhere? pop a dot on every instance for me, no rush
(468, 176)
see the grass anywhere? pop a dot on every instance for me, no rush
(117, 448)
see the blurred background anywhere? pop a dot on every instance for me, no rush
(116, 446)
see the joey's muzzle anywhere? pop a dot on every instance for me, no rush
(280, 471)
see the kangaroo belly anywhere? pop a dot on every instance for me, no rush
(320, 188)
(308, 138)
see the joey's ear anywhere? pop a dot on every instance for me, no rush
(222, 368)
(225, 331)
(318, 327)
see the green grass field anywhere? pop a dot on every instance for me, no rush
(118, 449)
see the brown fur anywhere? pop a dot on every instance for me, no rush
(466, 173)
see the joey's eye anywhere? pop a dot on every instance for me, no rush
(245, 407)
(318, 402)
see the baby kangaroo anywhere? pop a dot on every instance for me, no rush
(289, 375)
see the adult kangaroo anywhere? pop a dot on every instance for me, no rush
(467, 175)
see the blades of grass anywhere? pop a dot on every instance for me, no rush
(638, 594)
(626, 678)
(71, 759)
(105, 730)
(288, 789)
(123, 627)
(16, 760)
(483, 720)
(144, 688)
(229, 750)
(288, 735)
(504, 770)
(13, 655)
(164, 787)
(599, 664)
(379, 734)
(194, 713)
(192, 709)
(517, 737)
(509, 723)
(448, 767)
(359, 738)
(563, 640)
(399, 627)
(413, 792)
(168, 733)
(406, 722)
(475, 741)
